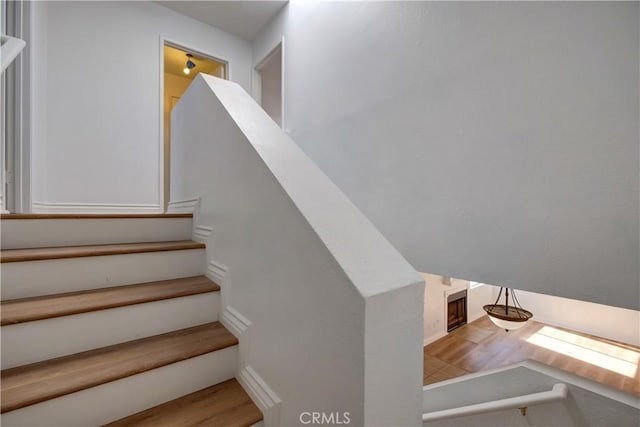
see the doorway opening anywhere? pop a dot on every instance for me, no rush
(181, 66)
(270, 91)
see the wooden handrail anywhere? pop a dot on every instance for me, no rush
(557, 393)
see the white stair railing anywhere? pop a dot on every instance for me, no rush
(10, 47)
(552, 396)
(557, 393)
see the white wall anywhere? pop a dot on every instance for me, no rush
(39, 81)
(496, 142)
(435, 303)
(615, 323)
(97, 143)
(271, 86)
(174, 87)
(335, 311)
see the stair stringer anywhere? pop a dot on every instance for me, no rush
(200, 232)
(263, 396)
(256, 387)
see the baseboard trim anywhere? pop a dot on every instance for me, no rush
(262, 395)
(2, 209)
(239, 326)
(475, 316)
(235, 322)
(434, 337)
(48, 207)
(183, 206)
(201, 233)
(216, 272)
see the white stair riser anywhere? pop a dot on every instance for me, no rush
(117, 399)
(45, 339)
(25, 233)
(33, 278)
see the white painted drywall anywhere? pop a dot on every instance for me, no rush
(335, 311)
(98, 101)
(174, 87)
(493, 141)
(271, 86)
(435, 303)
(615, 323)
(39, 79)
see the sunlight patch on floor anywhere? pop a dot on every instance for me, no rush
(604, 355)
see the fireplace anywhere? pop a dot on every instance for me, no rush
(456, 310)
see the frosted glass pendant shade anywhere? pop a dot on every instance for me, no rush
(508, 325)
(505, 316)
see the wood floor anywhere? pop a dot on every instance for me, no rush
(480, 346)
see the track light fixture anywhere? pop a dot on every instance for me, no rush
(189, 65)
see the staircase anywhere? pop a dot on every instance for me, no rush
(108, 319)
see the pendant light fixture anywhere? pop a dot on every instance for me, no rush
(189, 65)
(507, 317)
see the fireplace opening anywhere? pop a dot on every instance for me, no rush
(456, 310)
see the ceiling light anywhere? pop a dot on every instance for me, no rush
(189, 65)
(505, 316)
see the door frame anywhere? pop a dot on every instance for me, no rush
(168, 41)
(15, 168)
(256, 86)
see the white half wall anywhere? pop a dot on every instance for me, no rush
(492, 141)
(97, 100)
(335, 311)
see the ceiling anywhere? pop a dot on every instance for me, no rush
(242, 18)
(175, 61)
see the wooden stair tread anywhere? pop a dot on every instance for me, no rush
(49, 306)
(58, 252)
(93, 216)
(225, 405)
(37, 382)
